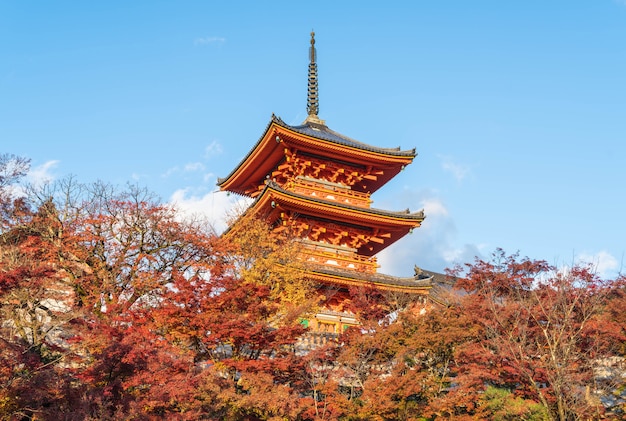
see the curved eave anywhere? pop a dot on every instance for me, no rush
(351, 214)
(268, 152)
(260, 153)
(356, 279)
(273, 200)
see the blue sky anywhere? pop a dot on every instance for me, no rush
(517, 109)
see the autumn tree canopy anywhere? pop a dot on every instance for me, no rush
(113, 306)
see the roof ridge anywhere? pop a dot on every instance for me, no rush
(317, 131)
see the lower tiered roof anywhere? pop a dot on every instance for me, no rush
(418, 284)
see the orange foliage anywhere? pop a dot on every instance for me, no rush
(114, 308)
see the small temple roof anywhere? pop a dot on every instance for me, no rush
(442, 285)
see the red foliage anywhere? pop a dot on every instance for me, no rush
(112, 308)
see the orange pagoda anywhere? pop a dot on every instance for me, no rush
(317, 183)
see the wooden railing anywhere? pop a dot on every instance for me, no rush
(312, 340)
(344, 260)
(330, 192)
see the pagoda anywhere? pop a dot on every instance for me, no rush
(317, 183)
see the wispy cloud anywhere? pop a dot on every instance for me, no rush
(213, 149)
(187, 168)
(209, 40)
(434, 207)
(193, 167)
(170, 171)
(460, 172)
(605, 264)
(42, 174)
(208, 177)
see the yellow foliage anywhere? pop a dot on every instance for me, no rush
(263, 257)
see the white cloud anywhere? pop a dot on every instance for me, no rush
(193, 166)
(433, 246)
(460, 172)
(433, 207)
(208, 177)
(215, 206)
(42, 174)
(209, 40)
(170, 171)
(187, 168)
(605, 264)
(213, 149)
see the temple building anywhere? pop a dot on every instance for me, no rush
(317, 183)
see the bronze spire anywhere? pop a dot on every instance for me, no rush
(312, 101)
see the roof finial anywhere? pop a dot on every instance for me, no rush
(312, 102)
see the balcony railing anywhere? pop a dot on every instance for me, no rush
(340, 259)
(330, 191)
(312, 340)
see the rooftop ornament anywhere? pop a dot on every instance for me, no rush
(312, 102)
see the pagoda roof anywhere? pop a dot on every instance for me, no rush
(404, 214)
(436, 285)
(323, 132)
(316, 139)
(443, 286)
(273, 197)
(420, 284)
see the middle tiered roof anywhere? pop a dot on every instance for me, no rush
(370, 230)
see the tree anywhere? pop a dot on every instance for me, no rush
(540, 333)
(153, 315)
(12, 169)
(397, 367)
(238, 323)
(113, 307)
(36, 313)
(260, 255)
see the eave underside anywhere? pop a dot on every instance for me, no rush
(352, 213)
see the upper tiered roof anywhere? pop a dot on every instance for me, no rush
(314, 139)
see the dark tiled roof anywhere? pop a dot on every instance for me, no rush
(406, 214)
(421, 281)
(442, 286)
(321, 131)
